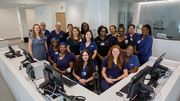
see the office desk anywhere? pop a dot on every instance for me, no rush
(3, 43)
(24, 89)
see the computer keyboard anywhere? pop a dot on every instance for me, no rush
(125, 88)
(68, 82)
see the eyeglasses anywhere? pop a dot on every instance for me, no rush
(42, 25)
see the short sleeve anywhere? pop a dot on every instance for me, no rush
(81, 47)
(95, 46)
(94, 68)
(49, 52)
(31, 37)
(124, 66)
(105, 62)
(55, 58)
(71, 58)
(136, 61)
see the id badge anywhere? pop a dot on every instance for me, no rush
(139, 41)
(102, 44)
(131, 39)
(126, 41)
(83, 73)
(60, 58)
(56, 52)
(80, 40)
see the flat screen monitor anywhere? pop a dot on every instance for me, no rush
(136, 82)
(28, 56)
(156, 63)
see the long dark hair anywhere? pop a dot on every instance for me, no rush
(79, 63)
(92, 39)
(82, 28)
(149, 28)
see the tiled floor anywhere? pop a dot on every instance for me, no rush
(5, 92)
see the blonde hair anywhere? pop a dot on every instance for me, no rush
(34, 33)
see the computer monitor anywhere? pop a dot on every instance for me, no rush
(28, 56)
(136, 82)
(52, 74)
(156, 64)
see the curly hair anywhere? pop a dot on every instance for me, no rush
(79, 63)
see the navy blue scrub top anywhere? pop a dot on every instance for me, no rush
(52, 52)
(85, 69)
(63, 64)
(92, 46)
(47, 35)
(144, 48)
(133, 61)
(112, 37)
(59, 36)
(114, 72)
(133, 38)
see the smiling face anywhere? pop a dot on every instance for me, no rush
(42, 26)
(85, 26)
(36, 29)
(129, 51)
(88, 36)
(58, 27)
(115, 52)
(112, 30)
(75, 32)
(145, 31)
(103, 32)
(62, 48)
(85, 56)
(131, 29)
(55, 44)
(121, 31)
(69, 28)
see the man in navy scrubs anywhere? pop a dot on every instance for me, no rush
(46, 33)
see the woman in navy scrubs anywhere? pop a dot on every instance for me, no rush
(73, 43)
(132, 61)
(114, 68)
(84, 69)
(84, 28)
(131, 33)
(144, 44)
(103, 44)
(68, 34)
(122, 40)
(53, 50)
(58, 33)
(64, 61)
(89, 44)
(113, 34)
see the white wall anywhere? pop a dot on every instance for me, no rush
(85, 12)
(9, 24)
(104, 13)
(113, 12)
(74, 13)
(170, 47)
(43, 14)
(31, 18)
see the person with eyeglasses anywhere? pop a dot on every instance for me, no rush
(122, 40)
(53, 50)
(46, 33)
(132, 61)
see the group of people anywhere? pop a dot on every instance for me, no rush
(77, 55)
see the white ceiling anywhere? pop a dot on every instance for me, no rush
(34, 3)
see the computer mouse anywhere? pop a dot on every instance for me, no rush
(119, 94)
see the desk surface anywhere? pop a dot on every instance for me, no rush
(24, 89)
